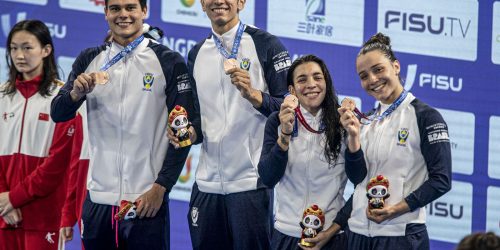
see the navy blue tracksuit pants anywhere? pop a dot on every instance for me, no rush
(416, 238)
(237, 221)
(99, 232)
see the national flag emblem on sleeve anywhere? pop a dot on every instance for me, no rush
(43, 117)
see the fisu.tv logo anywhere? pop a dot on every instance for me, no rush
(56, 30)
(433, 81)
(423, 23)
(438, 29)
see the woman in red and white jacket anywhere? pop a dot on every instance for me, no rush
(34, 151)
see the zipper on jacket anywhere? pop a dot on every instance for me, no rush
(120, 133)
(378, 136)
(219, 166)
(308, 172)
(22, 125)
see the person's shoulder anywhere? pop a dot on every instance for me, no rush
(94, 50)
(3, 85)
(89, 54)
(196, 48)
(165, 53)
(425, 112)
(422, 107)
(255, 31)
(266, 43)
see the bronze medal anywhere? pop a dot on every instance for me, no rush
(292, 101)
(101, 77)
(349, 104)
(229, 64)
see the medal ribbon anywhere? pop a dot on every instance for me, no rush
(386, 113)
(131, 46)
(236, 43)
(302, 120)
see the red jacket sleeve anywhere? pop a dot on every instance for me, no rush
(69, 216)
(51, 172)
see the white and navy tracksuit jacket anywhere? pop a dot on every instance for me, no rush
(233, 129)
(412, 149)
(303, 175)
(127, 119)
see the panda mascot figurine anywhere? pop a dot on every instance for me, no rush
(312, 223)
(178, 121)
(377, 191)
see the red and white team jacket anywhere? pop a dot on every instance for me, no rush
(34, 156)
(77, 185)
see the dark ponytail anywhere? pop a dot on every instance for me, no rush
(381, 43)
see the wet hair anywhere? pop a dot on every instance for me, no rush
(50, 74)
(381, 43)
(143, 3)
(480, 241)
(334, 132)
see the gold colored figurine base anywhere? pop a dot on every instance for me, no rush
(306, 244)
(185, 143)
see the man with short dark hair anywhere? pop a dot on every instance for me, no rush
(240, 72)
(129, 86)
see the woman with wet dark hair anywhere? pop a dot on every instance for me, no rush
(404, 143)
(303, 153)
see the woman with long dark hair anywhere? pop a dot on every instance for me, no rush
(303, 152)
(34, 151)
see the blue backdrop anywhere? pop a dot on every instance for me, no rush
(449, 51)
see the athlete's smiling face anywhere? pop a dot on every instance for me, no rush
(309, 85)
(223, 13)
(379, 76)
(125, 19)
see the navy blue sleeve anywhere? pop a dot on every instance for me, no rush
(178, 91)
(196, 122)
(62, 107)
(344, 214)
(275, 61)
(435, 148)
(355, 166)
(273, 160)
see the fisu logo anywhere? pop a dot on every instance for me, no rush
(6, 24)
(56, 30)
(433, 81)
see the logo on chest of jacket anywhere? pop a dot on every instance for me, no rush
(6, 116)
(403, 136)
(148, 81)
(245, 64)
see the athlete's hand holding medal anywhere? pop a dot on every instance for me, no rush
(86, 82)
(287, 114)
(287, 120)
(83, 85)
(350, 122)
